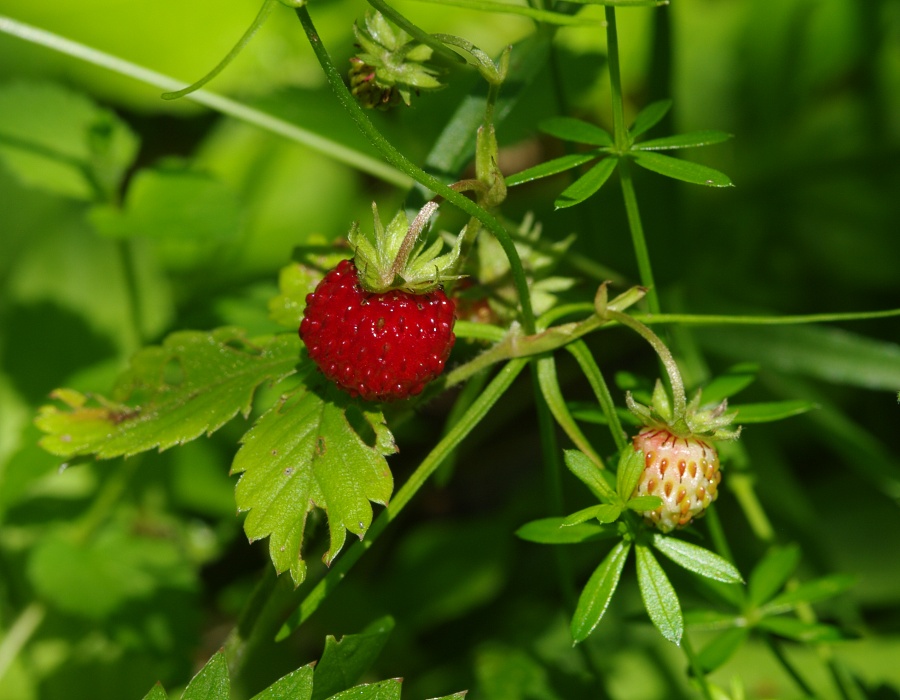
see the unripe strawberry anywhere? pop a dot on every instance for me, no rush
(682, 471)
(681, 464)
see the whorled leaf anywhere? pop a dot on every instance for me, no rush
(587, 184)
(595, 597)
(550, 167)
(555, 531)
(192, 384)
(683, 170)
(659, 596)
(773, 410)
(697, 559)
(721, 648)
(578, 130)
(690, 140)
(771, 573)
(306, 452)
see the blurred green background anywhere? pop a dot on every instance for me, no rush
(125, 217)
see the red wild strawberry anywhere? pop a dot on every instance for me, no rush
(681, 464)
(379, 326)
(381, 347)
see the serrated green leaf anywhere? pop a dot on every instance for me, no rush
(594, 599)
(771, 411)
(57, 140)
(587, 184)
(297, 685)
(551, 167)
(628, 472)
(772, 572)
(307, 452)
(697, 559)
(211, 682)
(642, 503)
(691, 140)
(344, 662)
(577, 130)
(192, 384)
(590, 474)
(605, 513)
(800, 631)
(680, 169)
(551, 531)
(659, 596)
(726, 385)
(721, 648)
(809, 592)
(385, 690)
(649, 116)
(156, 693)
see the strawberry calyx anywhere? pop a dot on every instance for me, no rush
(690, 421)
(397, 257)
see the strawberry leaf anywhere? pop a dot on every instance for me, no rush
(697, 559)
(211, 681)
(595, 597)
(192, 384)
(683, 170)
(300, 278)
(308, 452)
(552, 531)
(772, 572)
(297, 685)
(659, 596)
(587, 184)
(344, 662)
(571, 129)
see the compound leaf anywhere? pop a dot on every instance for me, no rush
(659, 596)
(595, 597)
(192, 384)
(211, 681)
(697, 559)
(344, 662)
(306, 452)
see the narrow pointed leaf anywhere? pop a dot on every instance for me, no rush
(691, 140)
(551, 167)
(810, 592)
(211, 682)
(772, 411)
(628, 473)
(642, 503)
(571, 129)
(772, 572)
(311, 452)
(726, 385)
(649, 116)
(297, 685)
(191, 385)
(552, 531)
(156, 693)
(590, 474)
(385, 690)
(697, 559)
(587, 184)
(344, 662)
(623, 3)
(595, 597)
(679, 169)
(659, 596)
(544, 16)
(800, 631)
(605, 513)
(712, 620)
(721, 648)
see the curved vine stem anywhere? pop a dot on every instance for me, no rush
(402, 163)
(435, 458)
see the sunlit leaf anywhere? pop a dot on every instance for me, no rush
(544, 16)
(595, 597)
(721, 648)
(571, 129)
(344, 662)
(800, 631)
(308, 452)
(623, 3)
(211, 682)
(552, 531)
(697, 559)
(810, 592)
(385, 690)
(590, 474)
(680, 169)
(772, 411)
(772, 572)
(297, 685)
(551, 167)
(587, 184)
(691, 140)
(649, 116)
(192, 384)
(659, 596)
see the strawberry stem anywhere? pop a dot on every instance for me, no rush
(412, 235)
